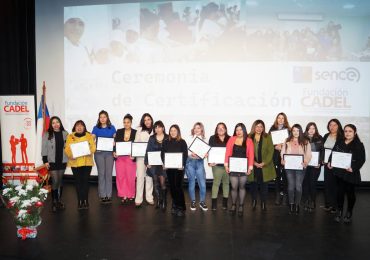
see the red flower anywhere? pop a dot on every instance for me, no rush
(39, 204)
(10, 204)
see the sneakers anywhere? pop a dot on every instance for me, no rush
(193, 206)
(203, 206)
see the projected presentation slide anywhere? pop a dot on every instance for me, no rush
(208, 61)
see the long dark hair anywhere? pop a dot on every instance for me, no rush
(51, 130)
(245, 133)
(159, 123)
(217, 138)
(103, 112)
(79, 122)
(253, 128)
(340, 132)
(354, 128)
(302, 140)
(286, 123)
(316, 134)
(178, 137)
(142, 124)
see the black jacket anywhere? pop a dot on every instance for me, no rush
(357, 149)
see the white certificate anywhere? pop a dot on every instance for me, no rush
(293, 161)
(138, 149)
(199, 147)
(80, 149)
(173, 160)
(123, 148)
(217, 155)
(314, 159)
(104, 144)
(327, 155)
(238, 164)
(279, 136)
(341, 160)
(154, 158)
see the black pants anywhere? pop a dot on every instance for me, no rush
(345, 188)
(82, 175)
(309, 183)
(263, 190)
(175, 178)
(330, 186)
(281, 183)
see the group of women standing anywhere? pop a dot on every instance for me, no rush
(136, 178)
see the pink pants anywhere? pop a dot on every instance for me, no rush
(125, 177)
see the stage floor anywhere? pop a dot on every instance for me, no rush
(124, 232)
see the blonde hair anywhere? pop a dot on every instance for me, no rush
(201, 127)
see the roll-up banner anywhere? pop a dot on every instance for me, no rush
(18, 137)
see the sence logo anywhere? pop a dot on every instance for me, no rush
(16, 107)
(349, 74)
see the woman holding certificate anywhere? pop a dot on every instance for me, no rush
(154, 164)
(55, 159)
(125, 164)
(281, 125)
(263, 170)
(314, 167)
(219, 141)
(335, 134)
(239, 160)
(79, 148)
(195, 169)
(175, 148)
(104, 133)
(295, 154)
(144, 131)
(346, 160)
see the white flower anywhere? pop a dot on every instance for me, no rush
(43, 191)
(35, 199)
(22, 214)
(14, 199)
(19, 187)
(22, 192)
(26, 204)
(6, 190)
(29, 187)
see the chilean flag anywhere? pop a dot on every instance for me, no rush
(43, 120)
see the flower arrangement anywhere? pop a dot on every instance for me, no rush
(25, 201)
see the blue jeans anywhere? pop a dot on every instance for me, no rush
(195, 170)
(295, 180)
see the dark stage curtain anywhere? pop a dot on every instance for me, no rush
(17, 48)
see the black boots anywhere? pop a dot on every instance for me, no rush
(254, 204)
(279, 198)
(224, 203)
(297, 209)
(158, 194)
(163, 202)
(348, 217)
(60, 204)
(54, 196)
(338, 217)
(214, 204)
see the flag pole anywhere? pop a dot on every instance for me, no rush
(44, 105)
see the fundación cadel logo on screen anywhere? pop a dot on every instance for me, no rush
(307, 74)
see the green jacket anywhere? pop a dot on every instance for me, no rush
(268, 170)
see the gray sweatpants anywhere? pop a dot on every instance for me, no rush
(104, 162)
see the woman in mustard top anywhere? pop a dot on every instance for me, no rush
(81, 166)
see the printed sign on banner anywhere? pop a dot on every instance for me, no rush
(18, 134)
